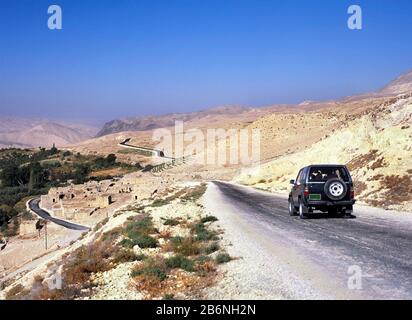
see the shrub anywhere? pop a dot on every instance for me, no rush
(208, 219)
(223, 258)
(142, 224)
(142, 240)
(171, 222)
(212, 248)
(151, 268)
(82, 263)
(111, 235)
(181, 262)
(195, 193)
(123, 256)
(202, 259)
(137, 232)
(206, 267)
(18, 292)
(169, 296)
(185, 246)
(202, 234)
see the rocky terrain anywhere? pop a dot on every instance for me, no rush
(375, 144)
(162, 246)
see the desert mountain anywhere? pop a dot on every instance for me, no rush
(215, 115)
(402, 84)
(26, 133)
(375, 144)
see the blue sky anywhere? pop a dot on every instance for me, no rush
(124, 58)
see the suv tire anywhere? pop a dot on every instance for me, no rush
(302, 210)
(292, 209)
(335, 189)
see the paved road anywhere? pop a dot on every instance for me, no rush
(156, 153)
(34, 206)
(323, 248)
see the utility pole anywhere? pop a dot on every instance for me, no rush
(45, 234)
(40, 224)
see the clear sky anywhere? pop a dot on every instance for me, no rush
(122, 58)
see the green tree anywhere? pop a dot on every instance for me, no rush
(111, 159)
(9, 176)
(54, 150)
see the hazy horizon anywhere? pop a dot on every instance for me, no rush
(136, 58)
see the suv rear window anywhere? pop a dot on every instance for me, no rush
(323, 174)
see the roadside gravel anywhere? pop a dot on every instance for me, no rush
(255, 273)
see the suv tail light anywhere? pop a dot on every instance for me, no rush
(306, 192)
(352, 193)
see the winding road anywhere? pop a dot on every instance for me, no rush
(34, 205)
(366, 257)
(156, 153)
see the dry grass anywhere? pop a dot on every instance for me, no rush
(362, 161)
(18, 292)
(187, 246)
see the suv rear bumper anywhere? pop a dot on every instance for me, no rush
(330, 203)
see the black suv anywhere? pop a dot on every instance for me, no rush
(327, 188)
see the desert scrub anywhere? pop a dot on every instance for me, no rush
(202, 233)
(181, 262)
(78, 267)
(171, 222)
(168, 296)
(137, 232)
(222, 258)
(185, 246)
(195, 193)
(89, 259)
(213, 247)
(151, 269)
(208, 219)
(124, 255)
(18, 292)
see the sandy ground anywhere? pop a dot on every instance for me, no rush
(21, 251)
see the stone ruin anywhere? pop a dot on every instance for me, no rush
(77, 202)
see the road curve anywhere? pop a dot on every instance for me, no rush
(323, 249)
(34, 205)
(155, 152)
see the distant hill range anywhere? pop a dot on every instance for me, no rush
(168, 120)
(18, 132)
(28, 133)
(403, 84)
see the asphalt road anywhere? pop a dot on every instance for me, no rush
(34, 206)
(329, 250)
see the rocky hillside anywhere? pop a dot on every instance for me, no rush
(376, 145)
(402, 84)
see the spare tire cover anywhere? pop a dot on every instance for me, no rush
(335, 189)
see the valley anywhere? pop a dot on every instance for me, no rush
(175, 233)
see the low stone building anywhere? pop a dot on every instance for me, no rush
(76, 202)
(28, 228)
